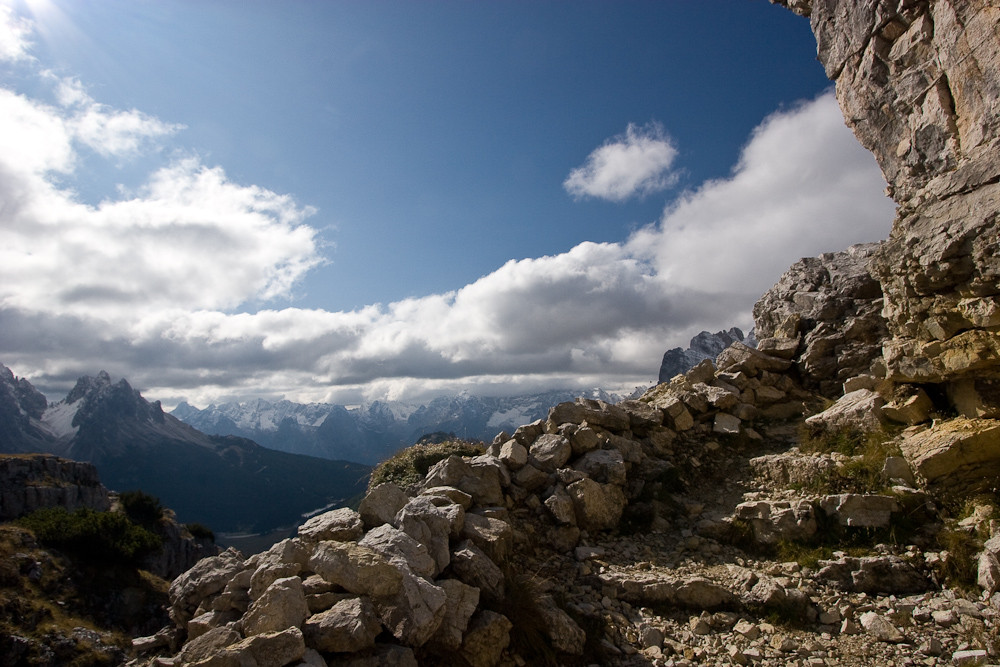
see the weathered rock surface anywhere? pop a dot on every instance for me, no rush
(705, 345)
(831, 307)
(29, 482)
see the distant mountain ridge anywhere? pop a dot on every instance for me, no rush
(703, 346)
(226, 482)
(373, 431)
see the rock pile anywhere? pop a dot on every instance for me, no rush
(684, 527)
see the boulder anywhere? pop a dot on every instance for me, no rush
(461, 604)
(486, 639)
(513, 454)
(415, 612)
(594, 412)
(357, 569)
(550, 451)
(860, 510)
(342, 524)
(474, 567)
(482, 482)
(880, 628)
(564, 634)
(207, 577)
(772, 521)
(860, 409)
(598, 506)
(494, 536)
(957, 457)
(431, 521)
(401, 550)
(381, 504)
(886, 575)
(606, 466)
(281, 606)
(350, 625)
(270, 649)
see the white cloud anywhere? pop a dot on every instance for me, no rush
(145, 285)
(635, 163)
(15, 36)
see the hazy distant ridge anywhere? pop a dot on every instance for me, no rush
(373, 431)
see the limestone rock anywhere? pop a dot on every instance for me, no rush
(271, 649)
(774, 520)
(474, 567)
(283, 605)
(348, 626)
(31, 482)
(563, 632)
(860, 510)
(598, 506)
(549, 452)
(483, 483)
(836, 305)
(889, 575)
(958, 456)
(594, 412)
(207, 577)
(431, 521)
(493, 536)
(357, 569)
(704, 346)
(880, 628)
(606, 466)
(461, 604)
(487, 637)
(860, 409)
(381, 504)
(342, 524)
(415, 612)
(400, 549)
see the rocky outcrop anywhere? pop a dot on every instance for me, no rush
(832, 306)
(703, 346)
(918, 84)
(30, 482)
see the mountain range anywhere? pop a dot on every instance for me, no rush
(230, 483)
(373, 431)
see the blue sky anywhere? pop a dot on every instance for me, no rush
(354, 200)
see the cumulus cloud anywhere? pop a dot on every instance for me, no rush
(146, 285)
(635, 163)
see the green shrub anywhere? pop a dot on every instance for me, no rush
(200, 531)
(142, 508)
(409, 466)
(98, 536)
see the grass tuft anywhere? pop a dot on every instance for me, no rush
(408, 467)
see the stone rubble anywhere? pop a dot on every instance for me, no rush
(679, 529)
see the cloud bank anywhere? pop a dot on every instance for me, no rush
(636, 163)
(184, 285)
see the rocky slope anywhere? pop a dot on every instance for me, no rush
(918, 83)
(705, 523)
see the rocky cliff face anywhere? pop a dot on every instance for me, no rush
(919, 83)
(31, 482)
(834, 305)
(705, 345)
